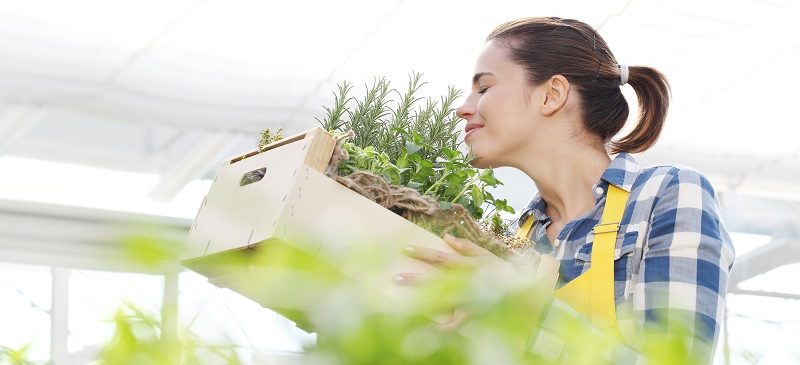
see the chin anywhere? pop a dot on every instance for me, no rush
(485, 155)
(481, 162)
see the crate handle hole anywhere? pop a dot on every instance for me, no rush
(253, 176)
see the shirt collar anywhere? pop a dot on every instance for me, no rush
(622, 173)
(536, 207)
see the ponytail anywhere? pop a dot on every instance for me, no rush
(653, 92)
(554, 46)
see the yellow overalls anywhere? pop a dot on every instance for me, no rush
(592, 293)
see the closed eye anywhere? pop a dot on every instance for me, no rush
(483, 90)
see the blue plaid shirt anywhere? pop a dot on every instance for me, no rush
(672, 255)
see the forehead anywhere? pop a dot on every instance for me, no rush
(495, 58)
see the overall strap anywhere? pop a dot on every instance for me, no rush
(592, 293)
(603, 308)
(525, 230)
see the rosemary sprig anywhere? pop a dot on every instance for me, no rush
(413, 144)
(333, 116)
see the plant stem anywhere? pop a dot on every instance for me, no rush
(467, 186)
(437, 183)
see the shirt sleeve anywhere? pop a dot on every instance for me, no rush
(680, 289)
(687, 257)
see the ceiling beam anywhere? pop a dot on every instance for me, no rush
(760, 215)
(195, 162)
(740, 172)
(86, 238)
(16, 120)
(762, 293)
(763, 259)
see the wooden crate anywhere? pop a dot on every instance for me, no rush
(296, 205)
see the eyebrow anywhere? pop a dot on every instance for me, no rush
(479, 75)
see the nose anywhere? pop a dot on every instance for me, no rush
(465, 111)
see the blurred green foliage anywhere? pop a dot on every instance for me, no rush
(360, 325)
(137, 340)
(150, 250)
(18, 356)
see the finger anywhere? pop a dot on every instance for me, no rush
(410, 279)
(464, 246)
(435, 257)
(453, 321)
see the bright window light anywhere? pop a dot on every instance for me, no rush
(96, 296)
(42, 181)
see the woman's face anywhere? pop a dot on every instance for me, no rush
(500, 110)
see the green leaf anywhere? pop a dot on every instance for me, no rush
(391, 174)
(459, 178)
(402, 161)
(423, 173)
(475, 211)
(412, 148)
(477, 195)
(415, 185)
(487, 177)
(497, 222)
(450, 154)
(502, 205)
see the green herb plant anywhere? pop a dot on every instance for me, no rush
(413, 142)
(268, 137)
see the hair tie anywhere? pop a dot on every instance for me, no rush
(623, 74)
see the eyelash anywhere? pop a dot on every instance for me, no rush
(481, 91)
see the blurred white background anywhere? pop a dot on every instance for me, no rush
(114, 112)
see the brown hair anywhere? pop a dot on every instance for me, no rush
(554, 46)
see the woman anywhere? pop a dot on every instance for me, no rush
(546, 100)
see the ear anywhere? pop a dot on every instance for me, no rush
(556, 92)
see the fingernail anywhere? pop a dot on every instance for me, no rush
(408, 249)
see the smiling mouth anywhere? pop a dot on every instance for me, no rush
(471, 129)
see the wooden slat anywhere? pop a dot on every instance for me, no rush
(320, 149)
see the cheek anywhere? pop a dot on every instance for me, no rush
(507, 121)
(487, 104)
(488, 99)
(501, 108)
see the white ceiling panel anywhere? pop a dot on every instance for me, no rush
(131, 85)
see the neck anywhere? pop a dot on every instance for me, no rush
(566, 178)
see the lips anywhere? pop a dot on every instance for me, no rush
(472, 126)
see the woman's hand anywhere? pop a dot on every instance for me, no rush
(492, 271)
(468, 256)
